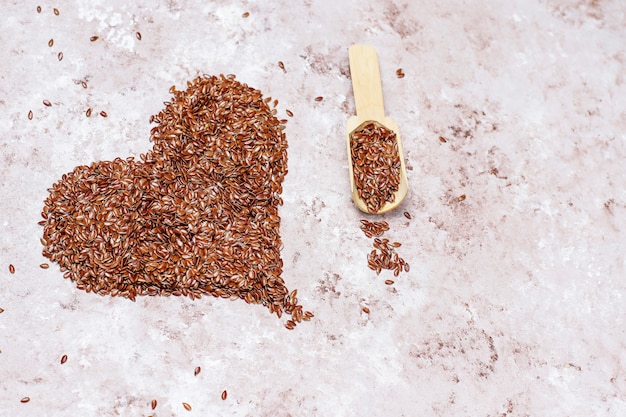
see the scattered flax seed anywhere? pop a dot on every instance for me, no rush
(384, 257)
(38, 9)
(246, 14)
(374, 228)
(366, 310)
(11, 269)
(461, 197)
(56, 11)
(93, 38)
(1, 310)
(442, 139)
(408, 215)
(63, 359)
(30, 115)
(51, 42)
(138, 35)
(224, 395)
(319, 98)
(60, 56)
(84, 84)
(103, 114)
(44, 266)
(289, 113)
(282, 66)
(25, 400)
(400, 73)
(47, 103)
(197, 371)
(88, 112)
(153, 404)
(389, 281)
(187, 406)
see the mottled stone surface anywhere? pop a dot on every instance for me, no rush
(514, 302)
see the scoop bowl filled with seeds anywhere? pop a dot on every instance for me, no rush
(378, 179)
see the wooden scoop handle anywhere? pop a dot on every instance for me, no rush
(366, 84)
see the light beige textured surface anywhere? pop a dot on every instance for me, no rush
(514, 305)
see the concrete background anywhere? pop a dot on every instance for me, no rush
(514, 305)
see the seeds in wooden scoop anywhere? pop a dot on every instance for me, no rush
(375, 164)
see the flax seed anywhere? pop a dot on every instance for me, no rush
(187, 406)
(51, 42)
(281, 65)
(83, 84)
(103, 114)
(153, 404)
(138, 35)
(197, 371)
(44, 266)
(11, 269)
(47, 103)
(442, 139)
(38, 9)
(88, 112)
(56, 11)
(94, 38)
(63, 359)
(240, 174)
(366, 310)
(30, 115)
(289, 113)
(319, 98)
(245, 14)
(407, 215)
(60, 56)
(376, 165)
(389, 281)
(461, 197)
(224, 395)
(25, 399)
(1, 310)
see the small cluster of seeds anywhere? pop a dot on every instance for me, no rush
(376, 165)
(374, 228)
(197, 215)
(384, 255)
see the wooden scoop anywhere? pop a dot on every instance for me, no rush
(368, 97)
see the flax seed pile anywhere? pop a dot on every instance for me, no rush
(198, 214)
(384, 255)
(376, 165)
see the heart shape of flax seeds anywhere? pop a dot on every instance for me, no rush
(198, 214)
